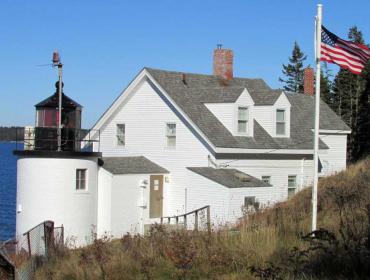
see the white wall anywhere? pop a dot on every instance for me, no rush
(104, 202)
(264, 195)
(145, 116)
(227, 113)
(130, 200)
(334, 159)
(201, 192)
(46, 190)
(279, 170)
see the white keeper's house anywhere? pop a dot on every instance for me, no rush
(173, 142)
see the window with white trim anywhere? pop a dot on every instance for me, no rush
(171, 134)
(242, 119)
(81, 179)
(292, 185)
(120, 134)
(266, 179)
(280, 122)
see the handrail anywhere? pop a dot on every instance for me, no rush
(196, 211)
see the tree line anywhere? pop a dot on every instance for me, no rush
(347, 94)
(11, 133)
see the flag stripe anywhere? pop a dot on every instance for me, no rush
(352, 51)
(343, 65)
(343, 62)
(346, 54)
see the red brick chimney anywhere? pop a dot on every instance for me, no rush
(308, 81)
(223, 63)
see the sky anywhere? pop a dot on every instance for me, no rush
(104, 44)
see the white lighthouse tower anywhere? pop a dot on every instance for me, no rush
(57, 180)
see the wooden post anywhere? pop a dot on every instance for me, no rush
(196, 221)
(169, 220)
(209, 218)
(29, 244)
(185, 224)
(161, 220)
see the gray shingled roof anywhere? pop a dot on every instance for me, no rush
(200, 89)
(229, 177)
(132, 165)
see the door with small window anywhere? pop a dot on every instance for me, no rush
(156, 196)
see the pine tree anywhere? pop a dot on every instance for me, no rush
(347, 95)
(294, 71)
(363, 118)
(326, 87)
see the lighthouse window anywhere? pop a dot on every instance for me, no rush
(81, 179)
(120, 133)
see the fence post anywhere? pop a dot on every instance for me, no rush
(169, 220)
(29, 244)
(196, 221)
(161, 220)
(209, 218)
(185, 224)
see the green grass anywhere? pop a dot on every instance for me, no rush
(273, 243)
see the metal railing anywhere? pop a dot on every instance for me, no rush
(46, 139)
(185, 216)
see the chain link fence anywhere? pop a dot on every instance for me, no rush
(34, 250)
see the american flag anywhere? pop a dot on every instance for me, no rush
(346, 54)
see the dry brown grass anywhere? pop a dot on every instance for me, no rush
(270, 244)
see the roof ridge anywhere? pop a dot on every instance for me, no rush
(196, 74)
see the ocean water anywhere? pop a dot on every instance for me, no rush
(8, 174)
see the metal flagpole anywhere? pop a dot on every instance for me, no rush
(317, 117)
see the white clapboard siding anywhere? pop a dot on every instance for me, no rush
(264, 115)
(334, 159)
(279, 170)
(104, 202)
(202, 191)
(264, 195)
(145, 116)
(225, 113)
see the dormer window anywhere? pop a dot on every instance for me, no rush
(242, 119)
(280, 122)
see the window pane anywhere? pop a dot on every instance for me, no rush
(266, 179)
(291, 191)
(171, 129)
(80, 179)
(280, 128)
(249, 201)
(242, 126)
(243, 113)
(292, 181)
(171, 141)
(280, 115)
(120, 134)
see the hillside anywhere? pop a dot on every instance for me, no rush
(273, 243)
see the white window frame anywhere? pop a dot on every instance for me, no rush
(263, 177)
(79, 180)
(170, 135)
(281, 122)
(123, 135)
(243, 120)
(295, 187)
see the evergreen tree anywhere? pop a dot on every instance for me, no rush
(294, 71)
(363, 118)
(347, 102)
(325, 87)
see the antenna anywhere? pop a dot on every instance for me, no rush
(57, 63)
